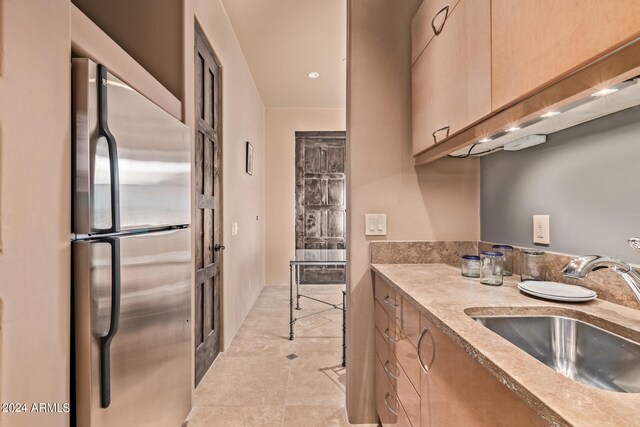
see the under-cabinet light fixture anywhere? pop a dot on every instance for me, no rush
(493, 140)
(526, 142)
(605, 91)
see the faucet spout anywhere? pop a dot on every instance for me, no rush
(579, 267)
(633, 280)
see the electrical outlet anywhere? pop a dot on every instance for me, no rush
(541, 229)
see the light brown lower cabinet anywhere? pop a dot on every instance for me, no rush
(457, 391)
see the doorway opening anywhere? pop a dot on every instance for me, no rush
(321, 200)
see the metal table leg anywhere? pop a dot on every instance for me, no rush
(344, 328)
(297, 287)
(291, 302)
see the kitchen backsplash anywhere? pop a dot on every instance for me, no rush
(419, 251)
(609, 285)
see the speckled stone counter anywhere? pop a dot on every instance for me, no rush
(448, 300)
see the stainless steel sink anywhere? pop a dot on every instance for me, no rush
(575, 349)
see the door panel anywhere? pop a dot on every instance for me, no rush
(150, 353)
(320, 200)
(153, 153)
(208, 205)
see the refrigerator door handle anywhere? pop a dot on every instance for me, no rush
(105, 341)
(103, 130)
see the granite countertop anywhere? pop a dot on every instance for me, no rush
(447, 299)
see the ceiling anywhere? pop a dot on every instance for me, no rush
(284, 40)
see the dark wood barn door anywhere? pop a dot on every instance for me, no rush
(320, 199)
(208, 158)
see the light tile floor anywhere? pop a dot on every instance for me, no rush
(254, 384)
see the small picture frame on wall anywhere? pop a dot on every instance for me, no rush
(249, 160)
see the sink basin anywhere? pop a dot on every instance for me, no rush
(575, 349)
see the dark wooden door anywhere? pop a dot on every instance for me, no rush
(208, 158)
(321, 199)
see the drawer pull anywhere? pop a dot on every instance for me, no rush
(426, 367)
(386, 402)
(392, 339)
(435, 139)
(394, 304)
(438, 30)
(391, 374)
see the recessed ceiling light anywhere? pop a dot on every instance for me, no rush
(605, 91)
(314, 75)
(484, 140)
(513, 129)
(550, 114)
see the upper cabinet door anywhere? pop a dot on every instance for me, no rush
(429, 20)
(536, 42)
(452, 77)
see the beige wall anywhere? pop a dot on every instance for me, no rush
(244, 195)
(35, 208)
(439, 201)
(280, 127)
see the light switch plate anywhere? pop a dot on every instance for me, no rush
(375, 224)
(541, 229)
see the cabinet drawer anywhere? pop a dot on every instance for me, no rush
(399, 345)
(409, 397)
(387, 298)
(387, 327)
(388, 405)
(430, 13)
(383, 349)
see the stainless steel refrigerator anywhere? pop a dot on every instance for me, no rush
(131, 256)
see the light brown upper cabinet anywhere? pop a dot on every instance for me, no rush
(428, 21)
(536, 42)
(451, 78)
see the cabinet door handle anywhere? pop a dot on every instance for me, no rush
(426, 367)
(386, 402)
(438, 30)
(391, 374)
(388, 301)
(447, 128)
(394, 340)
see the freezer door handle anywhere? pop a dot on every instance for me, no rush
(103, 129)
(105, 341)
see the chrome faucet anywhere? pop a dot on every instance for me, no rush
(578, 268)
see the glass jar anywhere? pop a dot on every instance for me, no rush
(507, 251)
(531, 265)
(471, 266)
(491, 268)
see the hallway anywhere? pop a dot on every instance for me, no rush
(253, 383)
